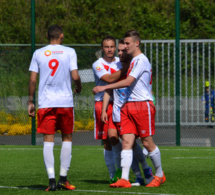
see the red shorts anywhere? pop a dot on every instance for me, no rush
(117, 126)
(138, 118)
(52, 119)
(100, 128)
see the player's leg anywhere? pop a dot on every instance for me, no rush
(146, 153)
(136, 170)
(65, 122)
(155, 157)
(145, 119)
(65, 160)
(117, 148)
(128, 134)
(109, 158)
(46, 124)
(103, 129)
(206, 114)
(113, 134)
(126, 161)
(48, 157)
(127, 154)
(138, 154)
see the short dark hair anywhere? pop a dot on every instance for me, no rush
(121, 41)
(109, 37)
(134, 34)
(54, 32)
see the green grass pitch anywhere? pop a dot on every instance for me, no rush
(188, 170)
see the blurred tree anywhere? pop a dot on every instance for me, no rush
(88, 21)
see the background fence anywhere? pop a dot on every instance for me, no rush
(197, 65)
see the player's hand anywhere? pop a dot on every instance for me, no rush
(31, 109)
(104, 117)
(98, 89)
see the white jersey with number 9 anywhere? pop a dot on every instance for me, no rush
(54, 64)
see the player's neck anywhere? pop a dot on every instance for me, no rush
(56, 42)
(109, 59)
(136, 53)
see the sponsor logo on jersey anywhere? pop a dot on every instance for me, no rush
(98, 68)
(57, 52)
(48, 53)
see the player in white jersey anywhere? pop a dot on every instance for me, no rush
(138, 112)
(106, 70)
(118, 101)
(57, 67)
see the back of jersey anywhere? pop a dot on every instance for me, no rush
(54, 64)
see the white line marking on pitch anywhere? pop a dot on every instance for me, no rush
(114, 192)
(194, 157)
(96, 191)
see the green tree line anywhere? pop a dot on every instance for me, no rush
(88, 21)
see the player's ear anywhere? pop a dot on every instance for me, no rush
(137, 43)
(61, 37)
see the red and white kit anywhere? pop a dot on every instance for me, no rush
(138, 114)
(100, 68)
(54, 64)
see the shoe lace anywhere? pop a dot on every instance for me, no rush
(156, 180)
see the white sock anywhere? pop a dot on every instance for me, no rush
(126, 161)
(110, 163)
(138, 154)
(145, 152)
(117, 154)
(156, 160)
(48, 157)
(65, 158)
(135, 168)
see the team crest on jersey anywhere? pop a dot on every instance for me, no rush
(98, 68)
(48, 53)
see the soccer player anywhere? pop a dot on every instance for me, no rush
(138, 112)
(104, 70)
(57, 67)
(113, 133)
(208, 99)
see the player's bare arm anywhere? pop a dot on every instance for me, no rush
(32, 88)
(110, 78)
(105, 103)
(123, 83)
(77, 81)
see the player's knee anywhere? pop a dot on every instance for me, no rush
(114, 140)
(67, 137)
